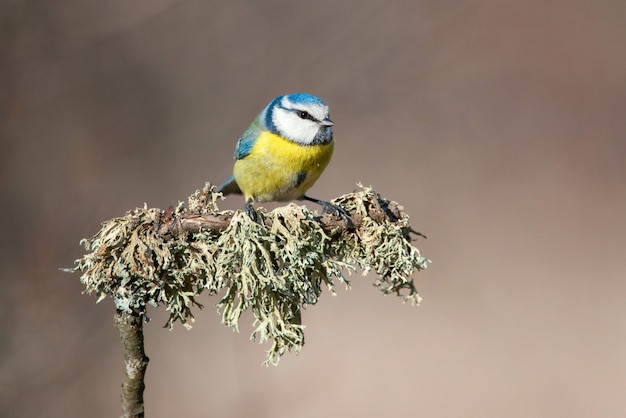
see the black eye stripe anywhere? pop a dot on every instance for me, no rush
(303, 114)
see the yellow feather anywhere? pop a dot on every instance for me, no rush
(279, 170)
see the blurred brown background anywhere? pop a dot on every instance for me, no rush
(499, 125)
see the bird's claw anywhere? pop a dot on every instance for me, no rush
(338, 211)
(249, 209)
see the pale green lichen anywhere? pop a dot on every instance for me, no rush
(273, 268)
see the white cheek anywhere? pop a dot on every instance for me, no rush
(292, 127)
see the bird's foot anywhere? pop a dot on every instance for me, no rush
(332, 209)
(249, 209)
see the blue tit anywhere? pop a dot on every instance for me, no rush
(283, 152)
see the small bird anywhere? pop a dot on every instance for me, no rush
(283, 152)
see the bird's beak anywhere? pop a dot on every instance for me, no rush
(327, 122)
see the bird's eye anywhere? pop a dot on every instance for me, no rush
(304, 115)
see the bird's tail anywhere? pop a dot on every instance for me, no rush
(230, 186)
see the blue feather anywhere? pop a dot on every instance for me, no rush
(267, 115)
(230, 186)
(248, 139)
(305, 99)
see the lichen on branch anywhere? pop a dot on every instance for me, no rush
(274, 268)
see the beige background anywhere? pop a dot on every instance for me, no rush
(499, 125)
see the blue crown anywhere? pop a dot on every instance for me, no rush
(305, 99)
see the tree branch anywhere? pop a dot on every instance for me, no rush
(274, 267)
(130, 328)
(195, 221)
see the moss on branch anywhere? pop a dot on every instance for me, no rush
(274, 268)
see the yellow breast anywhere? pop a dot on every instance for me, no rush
(279, 170)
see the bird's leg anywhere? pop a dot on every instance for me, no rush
(331, 209)
(249, 209)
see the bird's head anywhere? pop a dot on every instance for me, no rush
(300, 118)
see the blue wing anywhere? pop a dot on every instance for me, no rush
(248, 139)
(242, 150)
